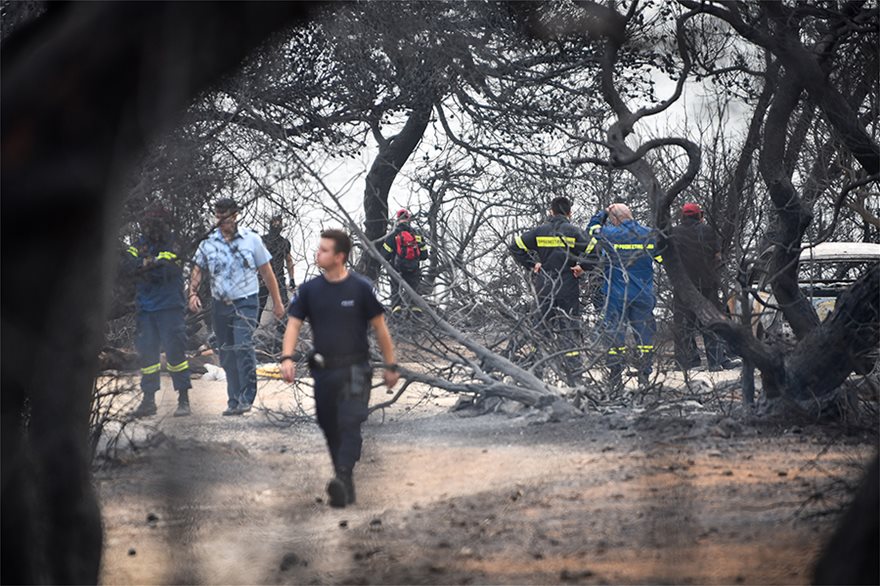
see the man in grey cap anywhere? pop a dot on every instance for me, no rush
(233, 256)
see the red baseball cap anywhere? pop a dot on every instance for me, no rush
(691, 209)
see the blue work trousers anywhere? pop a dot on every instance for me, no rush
(234, 325)
(157, 330)
(636, 313)
(342, 397)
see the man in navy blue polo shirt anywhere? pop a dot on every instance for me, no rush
(339, 305)
(233, 256)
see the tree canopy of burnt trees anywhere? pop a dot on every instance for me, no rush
(380, 73)
(483, 122)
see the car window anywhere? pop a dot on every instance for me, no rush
(828, 272)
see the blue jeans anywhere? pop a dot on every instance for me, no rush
(157, 330)
(234, 326)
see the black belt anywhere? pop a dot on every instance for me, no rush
(318, 360)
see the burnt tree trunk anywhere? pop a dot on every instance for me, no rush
(82, 92)
(393, 154)
(793, 217)
(852, 555)
(729, 220)
(823, 360)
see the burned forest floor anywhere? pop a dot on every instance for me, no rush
(651, 492)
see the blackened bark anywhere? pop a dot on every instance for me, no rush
(810, 74)
(793, 217)
(81, 95)
(393, 154)
(733, 209)
(823, 360)
(852, 556)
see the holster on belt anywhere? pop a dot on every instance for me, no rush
(359, 371)
(319, 361)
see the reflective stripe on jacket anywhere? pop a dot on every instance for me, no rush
(558, 245)
(161, 285)
(628, 253)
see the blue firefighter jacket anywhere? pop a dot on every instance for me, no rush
(628, 253)
(159, 285)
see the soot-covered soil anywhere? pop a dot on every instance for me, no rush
(629, 495)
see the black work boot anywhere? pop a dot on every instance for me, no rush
(182, 404)
(146, 408)
(337, 493)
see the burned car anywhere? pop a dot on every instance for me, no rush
(824, 272)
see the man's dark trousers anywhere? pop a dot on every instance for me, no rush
(685, 327)
(159, 329)
(234, 325)
(413, 279)
(342, 397)
(559, 323)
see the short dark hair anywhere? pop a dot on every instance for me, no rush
(560, 206)
(225, 205)
(341, 241)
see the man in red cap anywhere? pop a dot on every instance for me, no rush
(697, 246)
(405, 249)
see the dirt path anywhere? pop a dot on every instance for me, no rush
(609, 498)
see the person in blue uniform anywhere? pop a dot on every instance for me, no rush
(340, 306)
(554, 253)
(152, 260)
(628, 253)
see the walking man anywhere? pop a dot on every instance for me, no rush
(553, 252)
(160, 312)
(627, 250)
(339, 305)
(405, 249)
(279, 247)
(233, 256)
(698, 248)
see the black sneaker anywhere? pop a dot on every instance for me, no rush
(337, 493)
(243, 408)
(231, 411)
(145, 409)
(182, 410)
